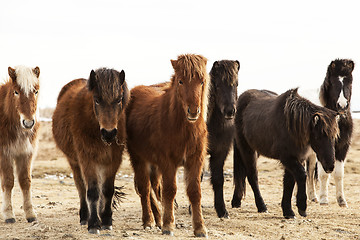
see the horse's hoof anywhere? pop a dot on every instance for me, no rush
(204, 235)
(94, 231)
(30, 220)
(108, 227)
(83, 222)
(225, 214)
(235, 203)
(342, 202)
(289, 217)
(302, 213)
(168, 232)
(10, 220)
(324, 203)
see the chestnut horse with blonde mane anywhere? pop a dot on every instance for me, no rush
(89, 127)
(18, 130)
(166, 129)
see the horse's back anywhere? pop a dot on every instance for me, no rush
(73, 84)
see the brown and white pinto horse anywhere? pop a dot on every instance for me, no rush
(166, 129)
(89, 127)
(18, 130)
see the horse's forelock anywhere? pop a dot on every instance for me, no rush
(26, 79)
(108, 84)
(227, 69)
(329, 123)
(190, 66)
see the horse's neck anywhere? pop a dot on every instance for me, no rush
(8, 111)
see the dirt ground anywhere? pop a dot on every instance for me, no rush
(56, 202)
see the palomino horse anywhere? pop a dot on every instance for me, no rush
(283, 127)
(89, 127)
(18, 142)
(220, 124)
(335, 94)
(166, 129)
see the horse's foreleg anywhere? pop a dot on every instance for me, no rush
(324, 182)
(217, 160)
(193, 167)
(7, 184)
(310, 180)
(339, 183)
(239, 178)
(168, 196)
(23, 167)
(299, 175)
(288, 187)
(92, 195)
(80, 186)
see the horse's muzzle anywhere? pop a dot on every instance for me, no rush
(108, 136)
(28, 124)
(192, 117)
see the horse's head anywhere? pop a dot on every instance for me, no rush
(224, 82)
(338, 85)
(110, 96)
(323, 134)
(190, 82)
(25, 88)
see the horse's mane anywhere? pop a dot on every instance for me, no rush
(338, 67)
(227, 69)
(188, 66)
(299, 113)
(26, 78)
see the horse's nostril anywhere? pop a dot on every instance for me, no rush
(108, 135)
(28, 123)
(188, 110)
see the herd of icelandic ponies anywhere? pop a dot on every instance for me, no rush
(173, 124)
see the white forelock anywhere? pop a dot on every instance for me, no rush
(26, 78)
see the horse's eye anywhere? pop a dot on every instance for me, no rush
(36, 92)
(97, 102)
(202, 83)
(119, 100)
(16, 93)
(180, 82)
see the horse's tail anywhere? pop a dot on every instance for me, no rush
(69, 85)
(239, 178)
(119, 195)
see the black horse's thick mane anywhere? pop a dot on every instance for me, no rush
(227, 69)
(338, 67)
(299, 114)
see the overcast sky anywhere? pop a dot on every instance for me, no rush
(280, 44)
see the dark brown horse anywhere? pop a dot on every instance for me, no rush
(220, 123)
(89, 127)
(166, 129)
(335, 94)
(18, 141)
(284, 127)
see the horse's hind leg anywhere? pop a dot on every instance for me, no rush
(79, 182)
(310, 180)
(217, 160)
(7, 184)
(23, 167)
(168, 195)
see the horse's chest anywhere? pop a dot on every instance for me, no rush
(20, 147)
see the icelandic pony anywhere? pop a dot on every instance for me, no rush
(335, 94)
(18, 129)
(220, 124)
(166, 129)
(89, 127)
(283, 127)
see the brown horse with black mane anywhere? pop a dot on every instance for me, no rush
(18, 141)
(284, 127)
(89, 127)
(166, 129)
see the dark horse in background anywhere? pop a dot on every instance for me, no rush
(166, 129)
(89, 127)
(335, 94)
(220, 124)
(283, 127)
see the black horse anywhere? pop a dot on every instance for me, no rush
(282, 127)
(220, 123)
(335, 94)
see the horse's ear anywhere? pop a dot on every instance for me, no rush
(315, 119)
(122, 77)
(174, 63)
(12, 74)
(36, 71)
(332, 66)
(238, 64)
(351, 65)
(92, 80)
